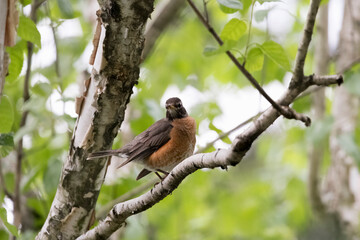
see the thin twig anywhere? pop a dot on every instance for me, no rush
(132, 193)
(206, 11)
(249, 34)
(283, 110)
(298, 76)
(225, 134)
(57, 61)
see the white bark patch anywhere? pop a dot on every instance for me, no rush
(88, 195)
(70, 222)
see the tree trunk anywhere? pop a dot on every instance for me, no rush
(101, 112)
(342, 193)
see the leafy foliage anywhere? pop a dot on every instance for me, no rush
(6, 115)
(263, 198)
(9, 227)
(276, 53)
(27, 31)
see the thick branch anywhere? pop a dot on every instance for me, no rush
(220, 158)
(122, 211)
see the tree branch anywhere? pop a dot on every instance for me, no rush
(166, 13)
(326, 80)
(298, 75)
(221, 158)
(283, 110)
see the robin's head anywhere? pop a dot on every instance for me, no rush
(175, 109)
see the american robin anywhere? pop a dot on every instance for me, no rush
(163, 145)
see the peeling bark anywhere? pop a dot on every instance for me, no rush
(115, 72)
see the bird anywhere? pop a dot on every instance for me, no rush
(163, 145)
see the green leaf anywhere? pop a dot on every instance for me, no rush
(227, 10)
(264, 1)
(10, 181)
(276, 53)
(319, 130)
(3, 234)
(27, 30)
(324, 2)
(16, 54)
(11, 228)
(66, 8)
(42, 89)
(260, 15)
(254, 60)
(37, 206)
(6, 139)
(225, 139)
(232, 4)
(347, 142)
(211, 50)
(233, 30)
(52, 175)
(25, 2)
(6, 115)
(214, 128)
(352, 83)
(5, 150)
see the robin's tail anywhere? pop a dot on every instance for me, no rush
(105, 153)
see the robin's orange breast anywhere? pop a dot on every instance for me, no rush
(180, 146)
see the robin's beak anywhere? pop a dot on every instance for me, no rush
(170, 107)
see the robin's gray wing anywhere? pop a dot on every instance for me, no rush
(143, 145)
(147, 142)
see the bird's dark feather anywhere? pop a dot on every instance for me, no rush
(146, 143)
(143, 173)
(143, 145)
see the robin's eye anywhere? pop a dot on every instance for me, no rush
(178, 105)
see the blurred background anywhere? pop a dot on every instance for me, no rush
(264, 197)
